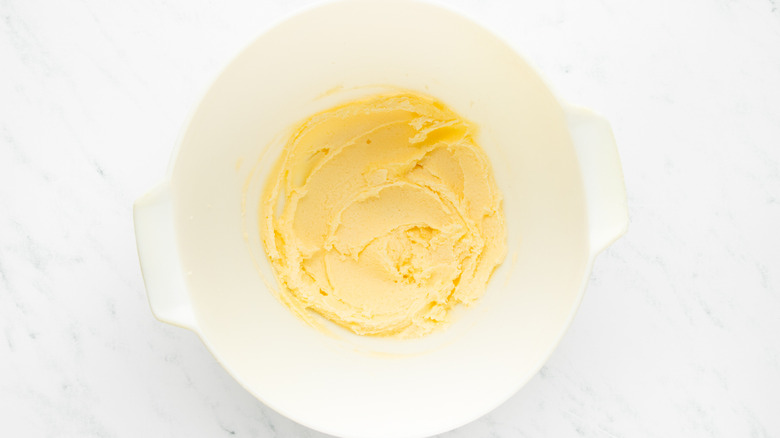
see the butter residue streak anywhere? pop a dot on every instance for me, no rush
(382, 214)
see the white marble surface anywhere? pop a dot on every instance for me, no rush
(679, 332)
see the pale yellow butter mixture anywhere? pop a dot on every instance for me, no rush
(382, 214)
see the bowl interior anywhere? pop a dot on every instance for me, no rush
(340, 383)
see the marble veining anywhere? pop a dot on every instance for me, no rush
(678, 334)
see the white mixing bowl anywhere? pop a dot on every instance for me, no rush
(205, 270)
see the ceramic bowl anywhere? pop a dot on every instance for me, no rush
(205, 270)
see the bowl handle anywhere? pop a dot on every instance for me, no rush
(159, 256)
(602, 176)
